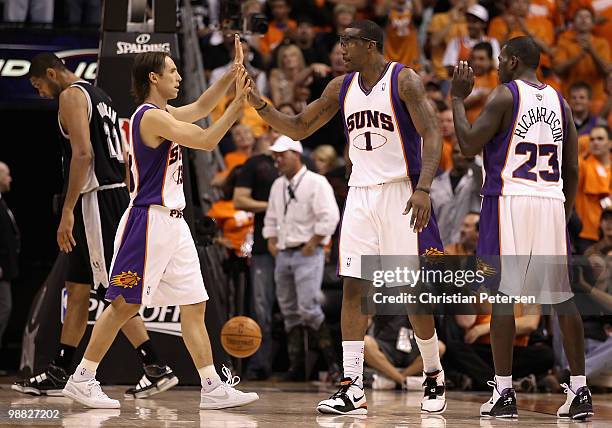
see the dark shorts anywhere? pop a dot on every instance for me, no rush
(112, 204)
(395, 356)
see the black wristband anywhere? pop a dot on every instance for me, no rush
(265, 104)
(422, 190)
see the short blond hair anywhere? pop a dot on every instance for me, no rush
(328, 154)
(288, 48)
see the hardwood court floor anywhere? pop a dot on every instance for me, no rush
(290, 405)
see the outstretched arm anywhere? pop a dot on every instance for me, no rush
(160, 125)
(473, 137)
(313, 117)
(569, 166)
(200, 108)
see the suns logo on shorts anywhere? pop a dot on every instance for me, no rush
(125, 279)
(431, 251)
(485, 268)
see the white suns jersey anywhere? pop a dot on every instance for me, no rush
(526, 158)
(156, 175)
(384, 145)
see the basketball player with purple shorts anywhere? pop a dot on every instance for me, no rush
(530, 151)
(155, 261)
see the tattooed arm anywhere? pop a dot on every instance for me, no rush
(313, 117)
(412, 93)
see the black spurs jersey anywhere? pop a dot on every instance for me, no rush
(108, 164)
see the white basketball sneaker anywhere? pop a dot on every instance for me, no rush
(89, 393)
(350, 399)
(434, 393)
(225, 395)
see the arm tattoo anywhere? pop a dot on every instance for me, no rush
(423, 116)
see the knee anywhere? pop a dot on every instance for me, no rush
(123, 309)
(78, 295)
(193, 312)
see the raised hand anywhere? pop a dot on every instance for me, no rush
(254, 98)
(243, 83)
(463, 80)
(239, 55)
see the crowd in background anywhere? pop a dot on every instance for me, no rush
(291, 65)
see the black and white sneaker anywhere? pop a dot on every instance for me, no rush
(50, 382)
(578, 405)
(501, 405)
(434, 393)
(156, 379)
(348, 400)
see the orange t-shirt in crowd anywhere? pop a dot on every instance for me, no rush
(546, 9)
(231, 160)
(446, 160)
(401, 42)
(521, 340)
(603, 13)
(249, 116)
(438, 22)
(486, 82)
(585, 70)
(234, 224)
(541, 27)
(593, 184)
(274, 36)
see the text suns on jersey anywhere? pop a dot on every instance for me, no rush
(369, 140)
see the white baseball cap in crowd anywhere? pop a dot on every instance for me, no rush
(284, 143)
(479, 12)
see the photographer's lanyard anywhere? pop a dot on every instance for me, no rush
(292, 191)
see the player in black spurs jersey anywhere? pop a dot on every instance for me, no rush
(96, 197)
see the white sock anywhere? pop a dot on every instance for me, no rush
(85, 370)
(209, 377)
(577, 382)
(429, 353)
(352, 360)
(503, 382)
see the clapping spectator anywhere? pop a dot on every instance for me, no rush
(593, 186)
(460, 48)
(443, 28)
(401, 39)
(581, 56)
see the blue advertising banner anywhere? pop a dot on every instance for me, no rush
(18, 46)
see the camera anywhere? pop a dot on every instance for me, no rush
(233, 18)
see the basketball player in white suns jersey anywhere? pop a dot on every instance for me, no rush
(155, 262)
(388, 121)
(529, 144)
